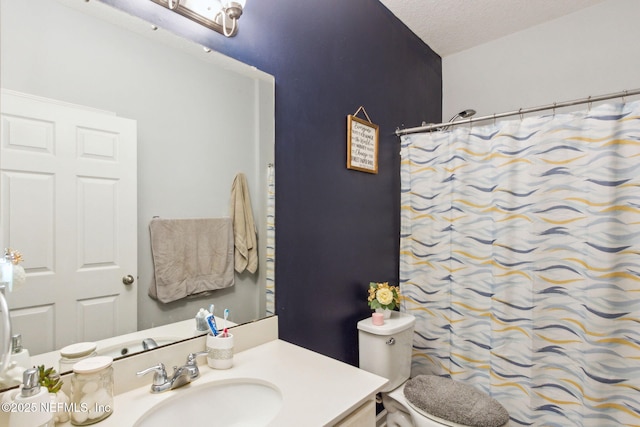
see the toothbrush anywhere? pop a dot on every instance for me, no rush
(225, 331)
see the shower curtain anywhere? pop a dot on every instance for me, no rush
(271, 241)
(520, 258)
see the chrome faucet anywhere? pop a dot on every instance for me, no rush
(149, 343)
(181, 376)
(192, 364)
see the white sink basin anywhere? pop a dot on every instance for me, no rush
(238, 402)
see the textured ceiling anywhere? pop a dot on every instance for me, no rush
(450, 26)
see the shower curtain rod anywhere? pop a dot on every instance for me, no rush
(590, 99)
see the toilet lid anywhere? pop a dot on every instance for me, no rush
(398, 394)
(433, 417)
(458, 403)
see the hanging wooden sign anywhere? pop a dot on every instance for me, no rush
(362, 143)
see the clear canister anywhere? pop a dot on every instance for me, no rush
(72, 354)
(91, 390)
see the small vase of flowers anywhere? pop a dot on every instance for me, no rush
(19, 275)
(383, 298)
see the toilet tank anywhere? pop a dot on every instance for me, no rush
(386, 350)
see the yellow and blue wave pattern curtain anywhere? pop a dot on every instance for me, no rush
(271, 242)
(520, 258)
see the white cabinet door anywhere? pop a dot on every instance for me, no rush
(68, 204)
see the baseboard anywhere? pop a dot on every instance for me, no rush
(381, 418)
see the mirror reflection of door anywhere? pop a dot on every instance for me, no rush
(68, 197)
(225, 125)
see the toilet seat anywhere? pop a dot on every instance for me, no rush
(433, 417)
(398, 395)
(415, 412)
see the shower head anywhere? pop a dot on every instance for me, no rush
(463, 114)
(467, 113)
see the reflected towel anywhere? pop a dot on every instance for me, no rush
(190, 256)
(244, 228)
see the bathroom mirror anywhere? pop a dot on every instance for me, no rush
(201, 119)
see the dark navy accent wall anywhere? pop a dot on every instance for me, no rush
(337, 229)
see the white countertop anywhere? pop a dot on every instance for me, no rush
(110, 346)
(316, 390)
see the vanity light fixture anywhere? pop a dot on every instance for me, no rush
(219, 15)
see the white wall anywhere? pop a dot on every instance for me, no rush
(200, 122)
(591, 52)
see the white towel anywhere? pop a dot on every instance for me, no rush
(190, 256)
(244, 228)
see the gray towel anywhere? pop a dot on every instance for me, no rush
(190, 256)
(455, 401)
(244, 228)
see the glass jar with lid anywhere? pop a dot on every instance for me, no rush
(91, 390)
(72, 354)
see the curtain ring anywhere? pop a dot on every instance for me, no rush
(173, 4)
(520, 112)
(494, 119)
(554, 109)
(624, 96)
(589, 104)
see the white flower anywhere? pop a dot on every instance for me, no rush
(384, 296)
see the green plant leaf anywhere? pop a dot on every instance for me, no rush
(50, 379)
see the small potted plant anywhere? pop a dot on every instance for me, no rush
(50, 379)
(383, 297)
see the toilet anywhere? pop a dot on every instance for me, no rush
(386, 351)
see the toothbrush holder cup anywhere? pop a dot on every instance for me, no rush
(220, 351)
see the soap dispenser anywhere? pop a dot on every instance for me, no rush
(19, 355)
(36, 399)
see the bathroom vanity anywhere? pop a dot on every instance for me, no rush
(314, 390)
(132, 342)
(300, 387)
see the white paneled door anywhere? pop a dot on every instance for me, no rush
(68, 204)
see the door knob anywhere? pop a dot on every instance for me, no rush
(128, 279)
